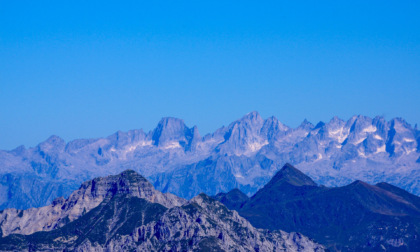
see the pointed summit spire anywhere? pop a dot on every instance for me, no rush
(289, 174)
(252, 117)
(306, 125)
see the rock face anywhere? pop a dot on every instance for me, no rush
(356, 217)
(244, 155)
(90, 195)
(127, 222)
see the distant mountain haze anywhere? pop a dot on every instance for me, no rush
(246, 154)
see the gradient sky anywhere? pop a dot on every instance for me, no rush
(84, 69)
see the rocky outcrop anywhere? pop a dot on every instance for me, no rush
(126, 222)
(244, 155)
(88, 196)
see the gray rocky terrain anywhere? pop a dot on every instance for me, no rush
(245, 155)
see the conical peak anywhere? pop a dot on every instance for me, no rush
(336, 119)
(289, 174)
(52, 143)
(54, 139)
(236, 194)
(274, 123)
(252, 118)
(306, 125)
(289, 168)
(253, 114)
(235, 190)
(360, 185)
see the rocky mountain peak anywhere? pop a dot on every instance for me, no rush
(52, 143)
(289, 174)
(202, 200)
(171, 132)
(127, 182)
(130, 223)
(360, 184)
(254, 115)
(244, 135)
(251, 120)
(90, 194)
(335, 120)
(306, 125)
(273, 127)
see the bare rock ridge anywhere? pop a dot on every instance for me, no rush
(244, 154)
(132, 218)
(355, 217)
(88, 196)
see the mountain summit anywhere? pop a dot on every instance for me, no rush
(289, 174)
(355, 217)
(245, 155)
(88, 196)
(131, 218)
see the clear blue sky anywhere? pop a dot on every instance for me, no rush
(82, 69)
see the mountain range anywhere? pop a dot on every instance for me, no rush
(125, 213)
(245, 155)
(355, 217)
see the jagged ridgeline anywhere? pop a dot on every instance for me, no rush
(125, 213)
(355, 217)
(244, 155)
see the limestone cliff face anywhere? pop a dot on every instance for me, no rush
(88, 196)
(132, 216)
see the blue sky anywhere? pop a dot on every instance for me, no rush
(82, 69)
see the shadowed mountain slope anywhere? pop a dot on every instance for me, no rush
(233, 200)
(356, 217)
(88, 196)
(126, 222)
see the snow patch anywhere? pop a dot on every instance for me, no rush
(256, 146)
(409, 151)
(370, 129)
(238, 175)
(359, 141)
(319, 157)
(133, 147)
(361, 154)
(338, 134)
(378, 137)
(172, 145)
(381, 149)
(409, 140)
